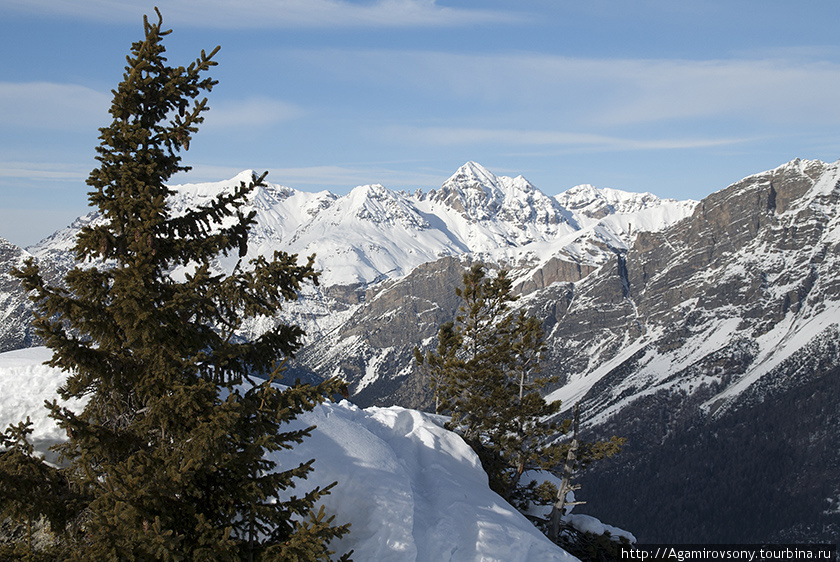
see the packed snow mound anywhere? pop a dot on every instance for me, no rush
(411, 490)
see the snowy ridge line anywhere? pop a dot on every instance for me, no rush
(655, 369)
(573, 391)
(373, 233)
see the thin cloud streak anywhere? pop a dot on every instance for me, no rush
(603, 92)
(47, 105)
(515, 137)
(583, 93)
(328, 178)
(72, 107)
(781, 91)
(250, 112)
(261, 14)
(43, 171)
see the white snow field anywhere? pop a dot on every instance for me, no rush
(412, 490)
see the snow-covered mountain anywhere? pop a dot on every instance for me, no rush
(671, 330)
(15, 308)
(713, 345)
(374, 233)
(756, 266)
(704, 332)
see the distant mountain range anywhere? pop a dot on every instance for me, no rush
(704, 332)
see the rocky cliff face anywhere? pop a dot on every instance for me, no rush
(15, 313)
(756, 262)
(15, 307)
(713, 347)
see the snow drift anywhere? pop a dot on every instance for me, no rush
(411, 490)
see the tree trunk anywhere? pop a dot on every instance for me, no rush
(559, 507)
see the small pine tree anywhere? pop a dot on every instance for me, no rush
(486, 374)
(167, 461)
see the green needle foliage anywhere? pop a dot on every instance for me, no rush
(31, 492)
(486, 374)
(168, 460)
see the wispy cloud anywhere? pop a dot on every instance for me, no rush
(771, 90)
(43, 171)
(46, 105)
(518, 137)
(602, 92)
(71, 107)
(270, 13)
(250, 112)
(344, 177)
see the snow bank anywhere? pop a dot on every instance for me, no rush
(412, 490)
(25, 383)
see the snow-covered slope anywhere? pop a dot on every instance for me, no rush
(411, 490)
(757, 264)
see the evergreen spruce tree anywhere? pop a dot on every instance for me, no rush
(486, 374)
(168, 459)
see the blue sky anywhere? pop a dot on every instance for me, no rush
(679, 98)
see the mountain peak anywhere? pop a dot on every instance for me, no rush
(373, 231)
(477, 171)
(370, 191)
(473, 176)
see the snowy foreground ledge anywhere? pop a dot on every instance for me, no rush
(412, 490)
